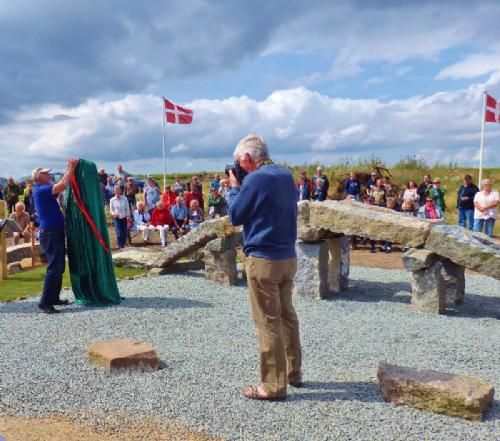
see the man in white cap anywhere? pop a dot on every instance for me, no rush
(52, 237)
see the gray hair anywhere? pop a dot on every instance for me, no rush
(117, 187)
(254, 145)
(485, 181)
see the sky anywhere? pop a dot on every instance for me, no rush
(322, 81)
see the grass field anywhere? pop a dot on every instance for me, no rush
(30, 283)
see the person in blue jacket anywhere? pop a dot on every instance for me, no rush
(265, 203)
(352, 187)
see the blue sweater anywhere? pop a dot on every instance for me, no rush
(266, 206)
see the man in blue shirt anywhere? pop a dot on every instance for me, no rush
(52, 237)
(266, 205)
(352, 187)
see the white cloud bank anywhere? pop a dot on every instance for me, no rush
(299, 124)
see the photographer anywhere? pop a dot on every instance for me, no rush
(265, 204)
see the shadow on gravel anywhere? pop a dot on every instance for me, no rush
(493, 413)
(132, 303)
(337, 391)
(476, 306)
(368, 291)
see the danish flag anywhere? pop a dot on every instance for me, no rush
(492, 112)
(176, 114)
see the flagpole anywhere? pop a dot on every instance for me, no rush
(164, 152)
(483, 114)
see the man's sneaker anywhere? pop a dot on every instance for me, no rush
(47, 309)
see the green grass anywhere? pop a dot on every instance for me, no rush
(30, 283)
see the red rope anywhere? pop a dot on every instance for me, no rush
(75, 190)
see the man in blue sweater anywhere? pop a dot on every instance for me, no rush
(265, 204)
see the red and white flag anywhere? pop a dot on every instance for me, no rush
(492, 111)
(176, 114)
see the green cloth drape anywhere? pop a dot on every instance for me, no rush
(91, 268)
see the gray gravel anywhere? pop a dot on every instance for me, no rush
(206, 340)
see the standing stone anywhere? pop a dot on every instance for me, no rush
(417, 259)
(124, 354)
(453, 395)
(454, 280)
(338, 264)
(220, 267)
(312, 275)
(428, 290)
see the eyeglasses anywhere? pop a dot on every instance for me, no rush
(429, 201)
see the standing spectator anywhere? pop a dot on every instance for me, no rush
(216, 182)
(52, 237)
(2, 196)
(103, 177)
(109, 190)
(178, 186)
(22, 218)
(389, 188)
(168, 196)
(180, 217)
(216, 204)
(429, 211)
(151, 195)
(378, 193)
(320, 188)
(266, 205)
(120, 210)
(121, 177)
(410, 198)
(194, 194)
(423, 188)
(304, 187)
(196, 215)
(392, 205)
(141, 222)
(465, 203)
(225, 191)
(195, 183)
(437, 194)
(131, 190)
(485, 203)
(12, 192)
(352, 187)
(370, 200)
(29, 202)
(372, 182)
(162, 221)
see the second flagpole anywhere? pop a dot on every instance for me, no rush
(164, 152)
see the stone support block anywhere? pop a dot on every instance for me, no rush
(428, 291)
(338, 264)
(454, 280)
(220, 267)
(312, 275)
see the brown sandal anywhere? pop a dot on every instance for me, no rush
(252, 393)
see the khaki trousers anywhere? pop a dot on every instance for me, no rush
(270, 285)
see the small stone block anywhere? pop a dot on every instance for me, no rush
(449, 394)
(124, 354)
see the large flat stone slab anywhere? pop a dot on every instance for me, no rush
(354, 218)
(124, 354)
(449, 394)
(135, 257)
(475, 251)
(16, 253)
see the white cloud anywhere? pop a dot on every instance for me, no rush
(298, 123)
(472, 66)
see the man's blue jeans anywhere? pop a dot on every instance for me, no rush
(466, 218)
(488, 225)
(54, 246)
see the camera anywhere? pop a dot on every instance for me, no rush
(238, 172)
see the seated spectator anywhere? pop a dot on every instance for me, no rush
(196, 216)
(161, 220)
(352, 187)
(194, 194)
(372, 182)
(178, 186)
(131, 190)
(485, 204)
(23, 220)
(410, 198)
(216, 205)
(430, 212)
(141, 222)
(378, 193)
(180, 218)
(437, 193)
(304, 187)
(168, 196)
(392, 205)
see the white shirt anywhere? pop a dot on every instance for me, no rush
(486, 200)
(120, 206)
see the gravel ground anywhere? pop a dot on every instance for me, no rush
(206, 340)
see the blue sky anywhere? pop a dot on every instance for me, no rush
(320, 80)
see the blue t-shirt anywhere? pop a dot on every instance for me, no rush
(179, 212)
(352, 187)
(266, 206)
(47, 208)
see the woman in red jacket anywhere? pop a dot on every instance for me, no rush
(162, 220)
(168, 197)
(194, 194)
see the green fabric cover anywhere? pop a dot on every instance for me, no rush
(91, 268)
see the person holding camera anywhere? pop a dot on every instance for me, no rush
(265, 203)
